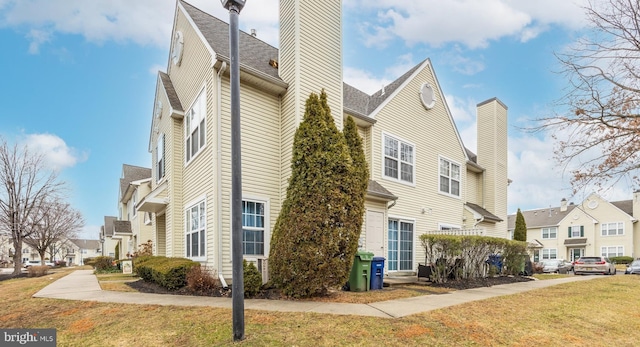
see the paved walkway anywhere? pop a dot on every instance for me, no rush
(83, 285)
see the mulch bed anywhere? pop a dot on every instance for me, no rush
(272, 293)
(4, 277)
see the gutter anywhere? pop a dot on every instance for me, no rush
(218, 161)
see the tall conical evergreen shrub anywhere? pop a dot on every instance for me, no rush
(313, 241)
(520, 230)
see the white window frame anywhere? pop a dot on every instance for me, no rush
(606, 229)
(548, 232)
(200, 206)
(265, 227)
(576, 231)
(399, 159)
(133, 202)
(195, 123)
(160, 157)
(605, 251)
(450, 163)
(549, 253)
(398, 249)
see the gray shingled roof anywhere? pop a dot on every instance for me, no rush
(86, 244)
(488, 216)
(256, 54)
(171, 92)
(624, 205)
(122, 226)
(376, 189)
(108, 225)
(541, 217)
(132, 173)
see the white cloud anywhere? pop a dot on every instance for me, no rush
(55, 151)
(143, 22)
(473, 23)
(90, 232)
(155, 68)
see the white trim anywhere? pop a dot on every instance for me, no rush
(549, 228)
(400, 140)
(267, 224)
(448, 226)
(189, 206)
(187, 132)
(607, 251)
(413, 241)
(460, 187)
(616, 234)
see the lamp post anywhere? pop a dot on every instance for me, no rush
(234, 7)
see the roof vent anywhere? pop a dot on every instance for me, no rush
(273, 63)
(382, 90)
(254, 33)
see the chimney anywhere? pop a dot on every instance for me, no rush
(563, 205)
(253, 33)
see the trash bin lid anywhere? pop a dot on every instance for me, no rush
(364, 255)
(382, 259)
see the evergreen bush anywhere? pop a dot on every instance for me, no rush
(252, 279)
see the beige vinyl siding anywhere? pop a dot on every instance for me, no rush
(474, 186)
(492, 155)
(260, 126)
(365, 134)
(434, 135)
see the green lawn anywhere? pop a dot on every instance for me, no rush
(602, 311)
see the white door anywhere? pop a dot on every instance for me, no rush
(375, 233)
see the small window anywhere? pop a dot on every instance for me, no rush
(449, 177)
(550, 233)
(195, 232)
(160, 158)
(195, 131)
(576, 231)
(253, 233)
(399, 159)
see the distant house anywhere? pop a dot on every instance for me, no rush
(422, 177)
(77, 250)
(595, 227)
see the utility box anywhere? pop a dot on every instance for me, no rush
(377, 273)
(360, 277)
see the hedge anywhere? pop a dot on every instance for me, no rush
(621, 259)
(170, 273)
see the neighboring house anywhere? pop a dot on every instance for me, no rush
(595, 227)
(77, 250)
(132, 227)
(422, 178)
(107, 238)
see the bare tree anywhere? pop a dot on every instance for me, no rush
(599, 135)
(57, 221)
(25, 185)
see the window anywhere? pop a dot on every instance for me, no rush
(134, 200)
(194, 126)
(549, 253)
(550, 233)
(612, 229)
(399, 159)
(449, 177)
(576, 231)
(160, 161)
(196, 223)
(612, 251)
(400, 245)
(252, 228)
(536, 255)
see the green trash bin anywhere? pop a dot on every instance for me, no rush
(359, 279)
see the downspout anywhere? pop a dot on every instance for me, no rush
(392, 204)
(218, 160)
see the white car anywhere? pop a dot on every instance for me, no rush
(29, 263)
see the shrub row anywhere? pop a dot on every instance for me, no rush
(621, 260)
(170, 273)
(456, 257)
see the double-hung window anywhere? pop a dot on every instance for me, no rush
(550, 233)
(612, 251)
(253, 227)
(576, 231)
(160, 161)
(195, 127)
(399, 159)
(195, 231)
(400, 245)
(549, 253)
(612, 229)
(449, 177)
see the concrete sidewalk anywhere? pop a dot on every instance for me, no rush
(83, 285)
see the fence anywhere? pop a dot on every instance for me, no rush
(459, 232)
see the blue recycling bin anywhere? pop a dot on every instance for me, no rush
(377, 273)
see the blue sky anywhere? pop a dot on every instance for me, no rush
(79, 78)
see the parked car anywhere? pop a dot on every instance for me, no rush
(29, 263)
(633, 268)
(555, 266)
(594, 265)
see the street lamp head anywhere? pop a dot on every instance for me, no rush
(233, 4)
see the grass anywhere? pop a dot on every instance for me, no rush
(601, 311)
